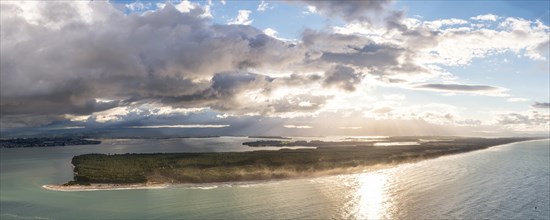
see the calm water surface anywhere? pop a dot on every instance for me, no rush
(509, 181)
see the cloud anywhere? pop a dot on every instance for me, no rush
(432, 113)
(137, 6)
(396, 97)
(185, 6)
(461, 88)
(273, 33)
(27, 120)
(94, 65)
(181, 126)
(351, 127)
(458, 87)
(369, 55)
(382, 110)
(361, 52)
(485, 17)
(437, 24)
(131, 113)
(242, 18)
(458, 46)
(298, 126)
(513, 118)
(344, 77)
(270, 32)
(310, 10)
(541, 105)
(53, 67)
(525, 121)
(68, 127)
(347, 10)
(263, 6)
(517, 99)
(250, 93)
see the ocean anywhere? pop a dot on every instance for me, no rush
(505, 182)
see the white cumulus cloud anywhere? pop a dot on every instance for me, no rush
(242, 18)
(485, 17)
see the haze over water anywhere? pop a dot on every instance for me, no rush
(509, 181)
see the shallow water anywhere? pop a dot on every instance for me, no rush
(509, 181)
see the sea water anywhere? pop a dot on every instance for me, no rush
(508, 181)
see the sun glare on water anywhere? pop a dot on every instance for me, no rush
(369, 199)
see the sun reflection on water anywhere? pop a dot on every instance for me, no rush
(369, 198)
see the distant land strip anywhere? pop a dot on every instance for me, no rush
(45, 142)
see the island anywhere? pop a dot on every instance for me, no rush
(314, 143)
(94, 171)
(349, 142)
(270, 137)
(45, 142)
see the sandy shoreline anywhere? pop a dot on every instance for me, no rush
(105, 186)
(110, 186)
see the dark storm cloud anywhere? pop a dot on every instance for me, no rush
(22, 120)
(541, 105)
(55, 105)
(61, 65)
(78, 64)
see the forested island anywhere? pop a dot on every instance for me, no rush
(45, 142)
(260, 165)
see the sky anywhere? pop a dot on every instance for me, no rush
(471, 68)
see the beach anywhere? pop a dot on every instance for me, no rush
(105, 186)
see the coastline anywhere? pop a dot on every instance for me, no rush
(105, 187)
(211, 185)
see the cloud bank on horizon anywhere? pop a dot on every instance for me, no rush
(370, 66)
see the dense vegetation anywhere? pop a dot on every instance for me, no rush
(258, 165)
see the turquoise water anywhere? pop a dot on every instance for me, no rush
(509, 181)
